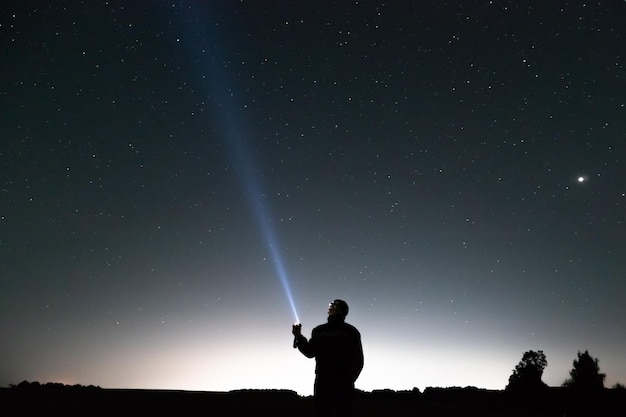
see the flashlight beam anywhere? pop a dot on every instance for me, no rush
(255, 196)
(221, 91)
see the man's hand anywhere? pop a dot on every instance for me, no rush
(296, 330)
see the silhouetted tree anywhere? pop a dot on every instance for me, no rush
(585, 375)
(527, 374)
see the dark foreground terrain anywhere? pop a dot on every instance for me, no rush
(59, 400)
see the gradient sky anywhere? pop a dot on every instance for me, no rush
(174, 175)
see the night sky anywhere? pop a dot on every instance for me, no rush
(181, 181)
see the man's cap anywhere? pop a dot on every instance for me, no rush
(342, 306)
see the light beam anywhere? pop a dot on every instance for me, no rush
(255, 198)
(220, 90)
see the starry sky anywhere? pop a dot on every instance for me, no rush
(181, 181)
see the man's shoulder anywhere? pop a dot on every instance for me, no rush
(351, 328)
(342, 327)
(320, 327)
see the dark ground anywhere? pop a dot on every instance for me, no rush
(56, 400)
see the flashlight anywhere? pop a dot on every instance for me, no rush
(296, 330)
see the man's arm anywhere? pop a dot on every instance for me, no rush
(301, 342)
(306, 347)
(357, 365)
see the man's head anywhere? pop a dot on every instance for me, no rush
(338, 308)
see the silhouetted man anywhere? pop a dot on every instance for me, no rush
(336, 347)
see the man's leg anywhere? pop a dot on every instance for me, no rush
(323, 398)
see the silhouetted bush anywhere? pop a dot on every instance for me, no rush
(585, 375)
(527, 374)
